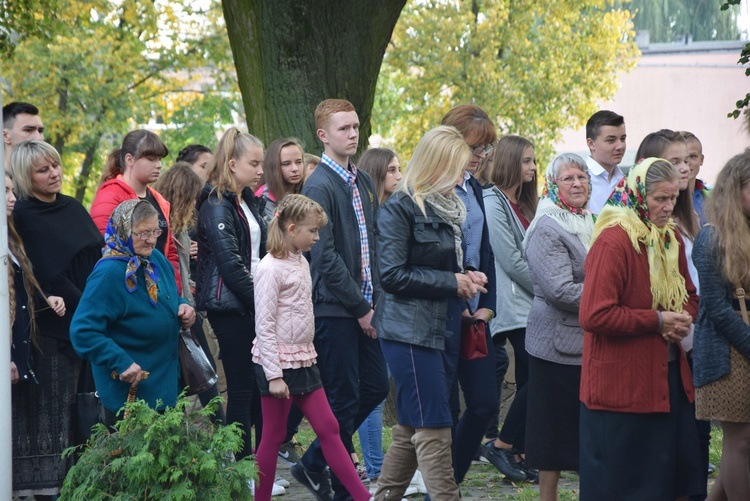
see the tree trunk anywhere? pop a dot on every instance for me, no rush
(291, 55)
(83, 175)
(62, 106)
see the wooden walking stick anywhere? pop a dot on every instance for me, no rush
(132, 391)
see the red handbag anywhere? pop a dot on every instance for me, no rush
(473, 338)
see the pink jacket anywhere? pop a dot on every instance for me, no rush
(284, 320)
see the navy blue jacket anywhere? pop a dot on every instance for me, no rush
(486, 257)
(335, 261)
(718, 326)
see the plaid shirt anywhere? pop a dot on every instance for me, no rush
(350, 176)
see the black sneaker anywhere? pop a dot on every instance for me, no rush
(319, 484)
(532, 474)
(290, 452)
(505, 462)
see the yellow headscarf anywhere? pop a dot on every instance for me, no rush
(627, 208)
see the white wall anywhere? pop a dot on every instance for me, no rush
(691, 91)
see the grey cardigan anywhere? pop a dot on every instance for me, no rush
(555, 260)
(514, 289)
(718, 326)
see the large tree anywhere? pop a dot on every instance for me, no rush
(535, 66)
(290, 55)
(103, 67)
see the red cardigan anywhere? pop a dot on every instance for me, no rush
(624, 356)
(115, 191)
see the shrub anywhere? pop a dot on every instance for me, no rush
(174, 455)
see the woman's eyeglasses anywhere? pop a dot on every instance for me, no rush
(477, 150)
(145, 235)
(583, 179)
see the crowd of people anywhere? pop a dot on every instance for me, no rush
(621, 291)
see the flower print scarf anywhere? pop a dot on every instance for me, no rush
(627, 208)
(577, 221)
(118, 243)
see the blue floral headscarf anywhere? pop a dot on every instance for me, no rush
(118, 242)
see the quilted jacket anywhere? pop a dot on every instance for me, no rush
(555, 260)
(284, 321)
(223, 282)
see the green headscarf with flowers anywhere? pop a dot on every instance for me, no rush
(627, 208)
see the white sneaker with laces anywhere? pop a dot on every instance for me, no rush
(279, 480)
(276, 491)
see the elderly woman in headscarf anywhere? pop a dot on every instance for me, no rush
(129, 318)
(556, 245)
(637, 425)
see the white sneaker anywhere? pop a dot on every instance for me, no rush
(418, 483)
(374, 489)
(276, 491)
(279, 480)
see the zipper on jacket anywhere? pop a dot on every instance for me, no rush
(241, 213)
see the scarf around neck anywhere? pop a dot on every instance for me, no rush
(452, 210)
(577, 221)
(627, 209)
(118, 242)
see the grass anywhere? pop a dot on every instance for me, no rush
(485, 483)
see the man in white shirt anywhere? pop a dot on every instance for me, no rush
(605, 137)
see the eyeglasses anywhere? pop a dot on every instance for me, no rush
(571, 179)
(477, 150)
(145, 235)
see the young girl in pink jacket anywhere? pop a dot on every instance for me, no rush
(283, 347)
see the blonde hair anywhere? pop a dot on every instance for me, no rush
(724, 212)
(234, 143)
(16, 247)
(294, 209)
(436, 165)
(23, 159)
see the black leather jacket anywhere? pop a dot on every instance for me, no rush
(417, 265)
(223, 282)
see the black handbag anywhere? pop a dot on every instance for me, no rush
(88, 412)
(197, 373)
(87, 406)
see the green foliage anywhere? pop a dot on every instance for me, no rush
(22, 19)
(536, 67)
(172, 455)
(104, 67)
(670, 20)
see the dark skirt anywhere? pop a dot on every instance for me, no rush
(642, 457)
(552, 417)
(299, 381)
(43, 422)
(421, 385)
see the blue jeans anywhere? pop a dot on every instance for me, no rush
(355, 379)
(371, 440)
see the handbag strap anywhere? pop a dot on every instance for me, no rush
(739, 294)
